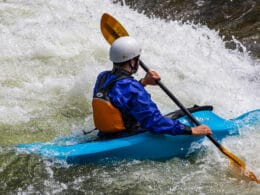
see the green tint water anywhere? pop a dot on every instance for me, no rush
(200, 174)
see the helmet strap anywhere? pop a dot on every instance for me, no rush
(134, 65)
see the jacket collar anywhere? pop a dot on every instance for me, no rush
(120, 72)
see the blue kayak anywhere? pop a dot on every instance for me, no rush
(141, 146)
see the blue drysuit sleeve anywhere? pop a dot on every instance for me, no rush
(129, 96)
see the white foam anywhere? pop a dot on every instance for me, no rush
(55, 44)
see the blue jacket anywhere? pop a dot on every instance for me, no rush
(130, 97)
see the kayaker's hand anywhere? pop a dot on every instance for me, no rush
(201, 130)
(150, 78)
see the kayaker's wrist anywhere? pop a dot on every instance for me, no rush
(187, 130)
(142, 82)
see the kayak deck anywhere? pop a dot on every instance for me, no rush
(142, 146)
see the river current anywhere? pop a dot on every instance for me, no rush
(51, 52)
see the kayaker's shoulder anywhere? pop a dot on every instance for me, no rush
(102, 73)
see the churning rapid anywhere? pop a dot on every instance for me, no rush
(50, 54)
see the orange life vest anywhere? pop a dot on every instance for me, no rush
(107, 118)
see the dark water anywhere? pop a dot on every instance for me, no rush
(232, 18)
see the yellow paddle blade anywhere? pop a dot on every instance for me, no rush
(239, 165)
(111, 28)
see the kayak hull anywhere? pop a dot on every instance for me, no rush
(142, 146)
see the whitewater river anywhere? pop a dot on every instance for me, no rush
(50, 54)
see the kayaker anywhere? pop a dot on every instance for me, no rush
(121, 105)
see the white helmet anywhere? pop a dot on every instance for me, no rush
(124, 49)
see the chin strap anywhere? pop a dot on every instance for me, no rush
(134, 68)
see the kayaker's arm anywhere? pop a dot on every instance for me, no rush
(150, 79)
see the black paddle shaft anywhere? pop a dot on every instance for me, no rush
(179, 104)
